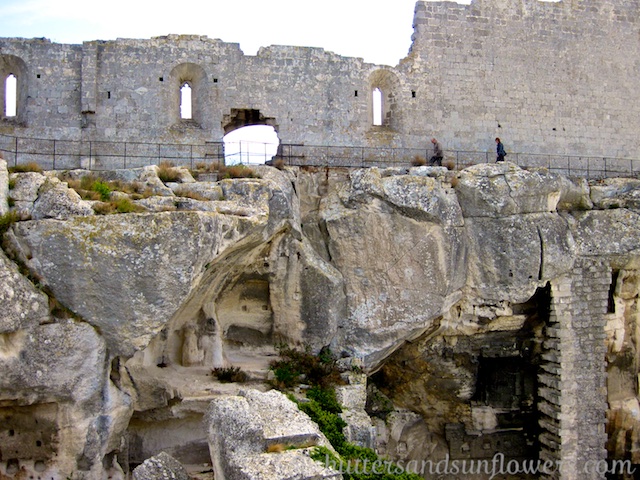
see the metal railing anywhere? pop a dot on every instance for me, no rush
(56, 154)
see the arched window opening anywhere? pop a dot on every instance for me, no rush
(254, 144)
(377, 106)
(185, 102)
(11, 96)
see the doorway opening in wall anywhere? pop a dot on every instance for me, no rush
(185, 102)
(255, 144)
(10, 96)
(377, 106)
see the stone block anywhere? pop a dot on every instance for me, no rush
(249, 437)
(161, 467)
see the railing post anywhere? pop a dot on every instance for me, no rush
(54, 155)
(191, 155)
(124, 160)
(15, 155)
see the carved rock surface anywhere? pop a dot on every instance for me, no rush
(55, 362)
(161, 467)
(22, 306)
(126, 274)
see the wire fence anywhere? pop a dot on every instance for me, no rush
(52, 154)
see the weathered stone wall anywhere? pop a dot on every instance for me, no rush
(573, 391)
(548, 77)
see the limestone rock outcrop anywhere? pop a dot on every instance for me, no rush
(435, 285)
(22, 306)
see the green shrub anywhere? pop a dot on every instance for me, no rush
(330, 423)
(103, 189)
(295, 366)
(324, 409)
(325, 397)
(230, 375)
(12, 183)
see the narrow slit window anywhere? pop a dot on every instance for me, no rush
(11, 96)
(377, 106)
(185, 101)
(611, 307)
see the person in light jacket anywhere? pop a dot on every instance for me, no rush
(436, 159)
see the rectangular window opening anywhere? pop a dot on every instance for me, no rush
(611, 307)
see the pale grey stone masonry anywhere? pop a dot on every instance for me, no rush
(545, 77)
(573, 378)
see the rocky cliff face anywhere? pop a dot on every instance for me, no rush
(444, 287)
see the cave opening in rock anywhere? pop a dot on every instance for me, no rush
(477, 393)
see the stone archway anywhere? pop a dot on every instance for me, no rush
(245, 117)
(250, 137)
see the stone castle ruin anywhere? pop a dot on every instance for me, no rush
(487, 311)
(548, 77)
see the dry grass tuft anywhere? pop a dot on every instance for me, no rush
(235, 171)
(183, 192)
(122, 205)
(26, 167)
(167, 172)
(418, 161)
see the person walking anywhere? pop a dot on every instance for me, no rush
(500, 151)
(436, 159)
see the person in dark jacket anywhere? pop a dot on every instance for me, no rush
(436, 159)
(500, 151)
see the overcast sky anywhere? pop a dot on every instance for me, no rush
(377, 30)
